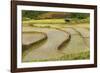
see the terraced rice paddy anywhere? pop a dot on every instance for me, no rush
(76, 44)
(32, 37)
(49, 44)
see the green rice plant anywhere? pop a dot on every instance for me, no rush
(55, 21)
(45, 21)
(77, 56)
(74, 56)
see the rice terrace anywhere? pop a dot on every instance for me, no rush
(55, 36)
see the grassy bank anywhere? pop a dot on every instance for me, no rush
(56, 21)
(76, 56)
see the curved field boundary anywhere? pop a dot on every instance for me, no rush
(84, 33)
(26, 46)
(68, 35)
(49, 49)
(76, 43)
(65, 41)
(74, 49)
(70, 30)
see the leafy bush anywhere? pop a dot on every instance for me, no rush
(80, 15)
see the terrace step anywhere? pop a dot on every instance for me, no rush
(83, 32)
(29, 38)
(76, 43)
(55, 38)
(60, 42)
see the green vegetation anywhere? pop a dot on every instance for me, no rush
(80, 15)
(31, 14)
(52, 15)
(76, 50)
(55, 21)
(44, 17)
(77, 56)
(45, 21)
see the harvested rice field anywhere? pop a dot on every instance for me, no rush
(56, 44)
